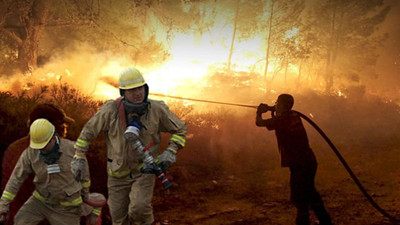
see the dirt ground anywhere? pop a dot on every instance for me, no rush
(257, 193)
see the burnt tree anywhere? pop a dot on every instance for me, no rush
(23, 23)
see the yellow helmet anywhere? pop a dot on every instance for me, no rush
(131, 78)
(41, 132)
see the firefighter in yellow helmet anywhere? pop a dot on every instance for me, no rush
(130, 191)
(57, 195)
(61, 121)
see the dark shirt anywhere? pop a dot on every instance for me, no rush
(292, 139)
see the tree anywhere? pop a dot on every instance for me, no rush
(107, 25)
(282, 16)
(293, 50)
(345, 31)
(245, 22)
(235, 22)
(23, 23)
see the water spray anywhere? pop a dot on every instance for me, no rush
(392, 219)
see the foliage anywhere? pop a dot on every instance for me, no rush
(15, 109)
(346, 40)
(335, 43)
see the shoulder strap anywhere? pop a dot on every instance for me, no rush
(121, 112)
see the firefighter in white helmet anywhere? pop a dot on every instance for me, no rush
(57, 196)
(130, 191)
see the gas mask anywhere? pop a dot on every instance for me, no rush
(132, 108)
(51, 157)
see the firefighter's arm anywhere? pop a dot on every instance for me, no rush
(96, 124)
(172, 124)
(20, 173)
(86, 182)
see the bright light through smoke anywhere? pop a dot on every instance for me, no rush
(193, 57)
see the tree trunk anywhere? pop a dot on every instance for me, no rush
(233, 36)
(28, 47)
(268, 42)
(28, 52)
(299, 74)
(286, 68)
(328, 71)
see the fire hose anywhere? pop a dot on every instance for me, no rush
(150, 165)
(392, 219)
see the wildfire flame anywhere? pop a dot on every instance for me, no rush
(193, 58)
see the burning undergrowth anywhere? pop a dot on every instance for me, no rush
(369, 122)
(224, 146)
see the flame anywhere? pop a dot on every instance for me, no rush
(192, 59)
(194, 56)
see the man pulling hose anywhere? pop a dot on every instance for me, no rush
(297, 155)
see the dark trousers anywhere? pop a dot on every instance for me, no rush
(304, 195)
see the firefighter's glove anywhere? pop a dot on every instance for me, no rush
(262, 108)
(166, 159)
(4, 216)
(78, 165)
(4, 208)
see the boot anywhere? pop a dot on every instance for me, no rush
(321, 213)
(302, 217)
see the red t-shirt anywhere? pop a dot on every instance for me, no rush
(292, 139)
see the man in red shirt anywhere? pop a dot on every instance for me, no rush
(297, 155)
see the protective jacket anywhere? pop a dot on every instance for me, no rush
(122, 158)
(56, 188)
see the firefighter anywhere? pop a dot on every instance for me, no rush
(57, 195)
(61, 121)
(130, 191)
(297, 155)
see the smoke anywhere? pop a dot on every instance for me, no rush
(388, 64)
(81, 66)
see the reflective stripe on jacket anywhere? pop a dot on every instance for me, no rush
(75, 202)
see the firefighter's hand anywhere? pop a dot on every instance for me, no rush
(166, 159)
(4, 217)
(85, 192)
(78, 166)
(4, 208)
(262, 108)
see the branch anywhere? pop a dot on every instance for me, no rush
(68, 23)
(11, 35)
(114, 35)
